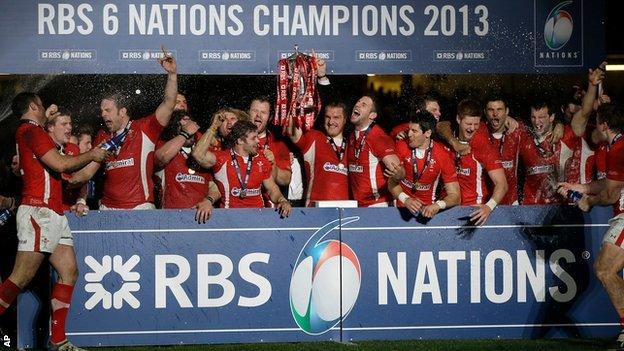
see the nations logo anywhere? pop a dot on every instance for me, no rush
(558, 27)
(315, 286)
(559, 43)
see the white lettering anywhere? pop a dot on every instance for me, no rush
(162, 282)
(263, 284)
(397, 279)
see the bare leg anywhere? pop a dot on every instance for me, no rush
(26, 265)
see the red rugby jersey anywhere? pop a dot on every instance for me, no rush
(41, 186)
(227, 179)
(434, 164)
(128, 180)
(325, 173)
(366, 179)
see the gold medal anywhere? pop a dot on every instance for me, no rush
(243, 193)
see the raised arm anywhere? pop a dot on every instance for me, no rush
(201, 154)
(581, 117)
(168, 150)
(165, 109)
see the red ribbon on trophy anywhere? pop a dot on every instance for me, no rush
(297, 97)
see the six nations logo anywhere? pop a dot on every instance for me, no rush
(315, 296)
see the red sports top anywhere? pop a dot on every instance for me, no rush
(227, 179)
(128, 178)
(41, 186)
(615, 169)
(545, 166)
(508, 146)
(185, 183)
(70, 195)
(472, 170)
(439, 164)
(368, 184)
(325, 173)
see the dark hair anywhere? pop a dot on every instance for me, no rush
(420, 103)
(239, 130)
(540, 104)
(173, 127)
(613, 115)
(468, 107)
(83, 129)
(374, 108)
(21, 101)
(425, 120)
(261, 98)
(496, 97)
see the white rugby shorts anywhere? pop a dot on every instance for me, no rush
(615, 233)
(40, 229)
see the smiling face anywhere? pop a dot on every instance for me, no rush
(180, 103)
(249, 143)
(468, 125)
(113, 117)
(60, 130)
(363, 112)
(541, 120)
(335, 120)
(259, 114)
(496, 113)
(228, 122)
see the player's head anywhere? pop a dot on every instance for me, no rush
(610, 118)
(243, 138)
(173, 128)
(28, 103)
(259, 112)
(421, 127)
(60, 127)
(542, 117)
(114, 111)
(335, 118)
(84, 136)
(364, 112)
(430, 104)
(468, 118)
(496, 112)
(180, 102)
(15, 165)
(231, 116)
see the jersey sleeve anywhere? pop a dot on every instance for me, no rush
(151, 127)
(265, 167)
(38, 141)
(615, 165)
(303, 144)
(402, 151)
(381, 145)
(221, 157)
(282, 155)
(487, 155)
(569, 138)
(447, 166)
(398, 129)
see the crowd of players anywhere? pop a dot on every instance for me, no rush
(424, 165)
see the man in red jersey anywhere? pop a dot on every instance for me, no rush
(474, 169)
(507, 143)
(185, 184)
(324, 156)
(609, 191)
(240, 171)
(371, 157)
(59, 129)
(426, 103)
(271, 147)
(128, 181)
(425, 161)
(43, 231)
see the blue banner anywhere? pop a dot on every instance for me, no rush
(157, 277)
(354, 37)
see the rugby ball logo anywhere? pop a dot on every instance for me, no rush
(316, 300)
(558, 27)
